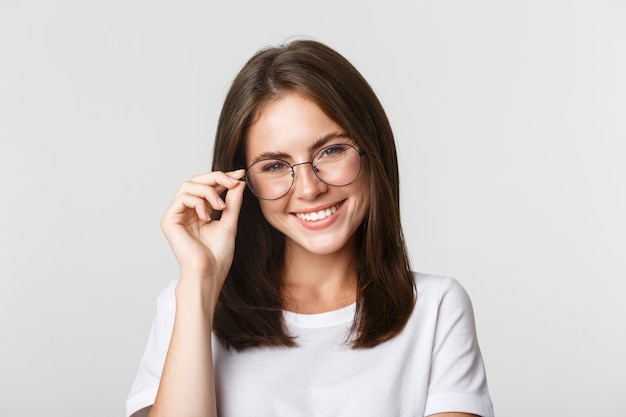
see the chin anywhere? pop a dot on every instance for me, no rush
(322, 246)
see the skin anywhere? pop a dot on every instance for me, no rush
(319, 273)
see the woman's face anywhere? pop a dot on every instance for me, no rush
(314, 216)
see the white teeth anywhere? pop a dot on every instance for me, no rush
(317, 215)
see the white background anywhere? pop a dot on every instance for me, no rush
(510, 123)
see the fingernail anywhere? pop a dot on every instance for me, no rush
(220, 203)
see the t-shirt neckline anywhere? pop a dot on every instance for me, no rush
(326, 319)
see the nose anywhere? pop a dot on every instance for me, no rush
(305, 183)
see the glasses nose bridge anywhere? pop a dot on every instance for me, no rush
(293, 171)
(315, 179)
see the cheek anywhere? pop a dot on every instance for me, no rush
(363, 185)
(366, 197)
(365, 205)
(362, 199)
(269, 208)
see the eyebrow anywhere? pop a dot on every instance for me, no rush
(315, 146)
(327, 138)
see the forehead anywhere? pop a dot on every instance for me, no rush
(289, 124)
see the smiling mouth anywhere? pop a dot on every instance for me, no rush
(318, 215)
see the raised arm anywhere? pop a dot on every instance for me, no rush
(204, 250)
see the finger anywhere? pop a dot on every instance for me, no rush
(234, 199)
(211, 194)
(184, 202)
(217, 181)
(226, 179)
(237, 174)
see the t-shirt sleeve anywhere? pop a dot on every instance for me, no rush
(457, 382)
(146, 384)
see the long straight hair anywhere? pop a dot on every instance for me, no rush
(248, 311)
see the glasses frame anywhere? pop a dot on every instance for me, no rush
(359, 152)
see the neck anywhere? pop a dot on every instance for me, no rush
(313, 283)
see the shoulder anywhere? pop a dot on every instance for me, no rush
(438, 287)
(441, 301)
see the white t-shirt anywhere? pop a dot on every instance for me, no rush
(434, 365)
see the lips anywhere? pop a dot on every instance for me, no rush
(314, 216)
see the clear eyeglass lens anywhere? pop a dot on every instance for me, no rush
(336, 165)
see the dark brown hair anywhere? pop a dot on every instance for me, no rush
(248, 312)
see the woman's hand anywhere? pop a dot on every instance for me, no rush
(203, 247)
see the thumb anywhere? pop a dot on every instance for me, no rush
(233, 200)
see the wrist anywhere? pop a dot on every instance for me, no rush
(199, 294)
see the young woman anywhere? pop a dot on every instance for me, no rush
(295, 295)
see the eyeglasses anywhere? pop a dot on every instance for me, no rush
(336, 165)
